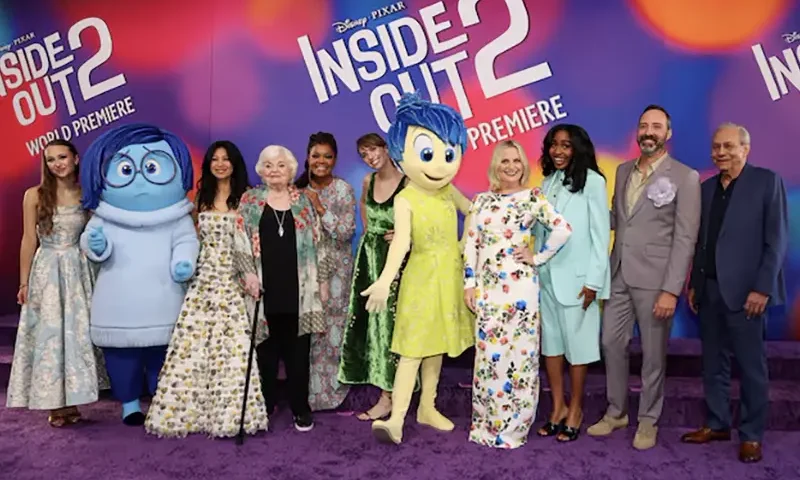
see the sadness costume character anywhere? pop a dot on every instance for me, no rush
(427, 141)
(135, 178)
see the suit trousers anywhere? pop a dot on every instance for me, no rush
(626, 306)
(723, 332)
(284, 344)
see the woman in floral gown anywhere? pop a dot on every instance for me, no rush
(201, 386)
(334, 201)
(55, 365)
(501, 286)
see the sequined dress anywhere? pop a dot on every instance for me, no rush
(201, 386)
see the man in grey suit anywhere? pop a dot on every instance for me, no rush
(736, 274)
(655, 214)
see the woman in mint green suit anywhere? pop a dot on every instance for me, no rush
(575, 280)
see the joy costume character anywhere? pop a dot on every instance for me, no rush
(135, 178)
(427, 141)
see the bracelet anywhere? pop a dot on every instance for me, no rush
(24, 285)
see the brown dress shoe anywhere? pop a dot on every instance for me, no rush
(750, 452)
(705, 435)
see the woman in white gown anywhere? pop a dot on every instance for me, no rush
(501, 286)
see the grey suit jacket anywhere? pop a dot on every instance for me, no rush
(654, 244)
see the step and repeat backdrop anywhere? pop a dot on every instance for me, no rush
(260, 72)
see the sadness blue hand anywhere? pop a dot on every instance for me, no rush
(183, 271)
(97, 241)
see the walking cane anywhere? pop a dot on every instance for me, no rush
(240, 435)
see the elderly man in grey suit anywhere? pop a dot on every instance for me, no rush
(655, 214)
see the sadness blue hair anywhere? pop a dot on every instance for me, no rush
(440, 119)
(109, 143)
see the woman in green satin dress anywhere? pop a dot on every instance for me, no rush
(365, 355)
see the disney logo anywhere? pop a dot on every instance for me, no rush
(791, 37)
(348, 24)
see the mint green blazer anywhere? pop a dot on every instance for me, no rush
(583, 260)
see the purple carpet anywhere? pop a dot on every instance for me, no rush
(684, 405)
(343, 448)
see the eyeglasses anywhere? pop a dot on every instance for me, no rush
(157, 167)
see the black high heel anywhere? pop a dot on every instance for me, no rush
(550, 429)
(568, 434)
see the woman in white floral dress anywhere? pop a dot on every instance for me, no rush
(501, 286)
(201, 386)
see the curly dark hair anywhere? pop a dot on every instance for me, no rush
(207, 185)
(583, 156)
(319, 138)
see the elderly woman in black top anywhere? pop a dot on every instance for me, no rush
(282, 223)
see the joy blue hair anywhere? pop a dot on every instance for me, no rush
(109, 143)
(440, 119)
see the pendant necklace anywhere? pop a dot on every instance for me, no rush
(280, 221)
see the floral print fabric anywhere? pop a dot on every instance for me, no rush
(307, 232)
(505, 388)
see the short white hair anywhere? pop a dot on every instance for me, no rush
(744, 135)
(274, 152)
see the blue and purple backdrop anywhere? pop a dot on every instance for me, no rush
(259, 72)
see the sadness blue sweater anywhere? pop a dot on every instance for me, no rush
(136, 302)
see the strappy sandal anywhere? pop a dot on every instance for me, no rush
(56, 420)
(63, 417)
(73, 418)
(569, 434)
(368, 417)
(550, 429)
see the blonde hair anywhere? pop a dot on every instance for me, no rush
(497, 157)
(274, 152)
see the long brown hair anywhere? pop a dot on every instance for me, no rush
(48, 188)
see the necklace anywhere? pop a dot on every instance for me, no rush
(280, 221)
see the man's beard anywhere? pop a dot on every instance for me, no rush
(658, 144)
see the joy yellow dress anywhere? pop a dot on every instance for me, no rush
(432, 318)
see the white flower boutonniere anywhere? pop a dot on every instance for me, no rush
(661, 192)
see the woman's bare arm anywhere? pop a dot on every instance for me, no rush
(29, 240)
